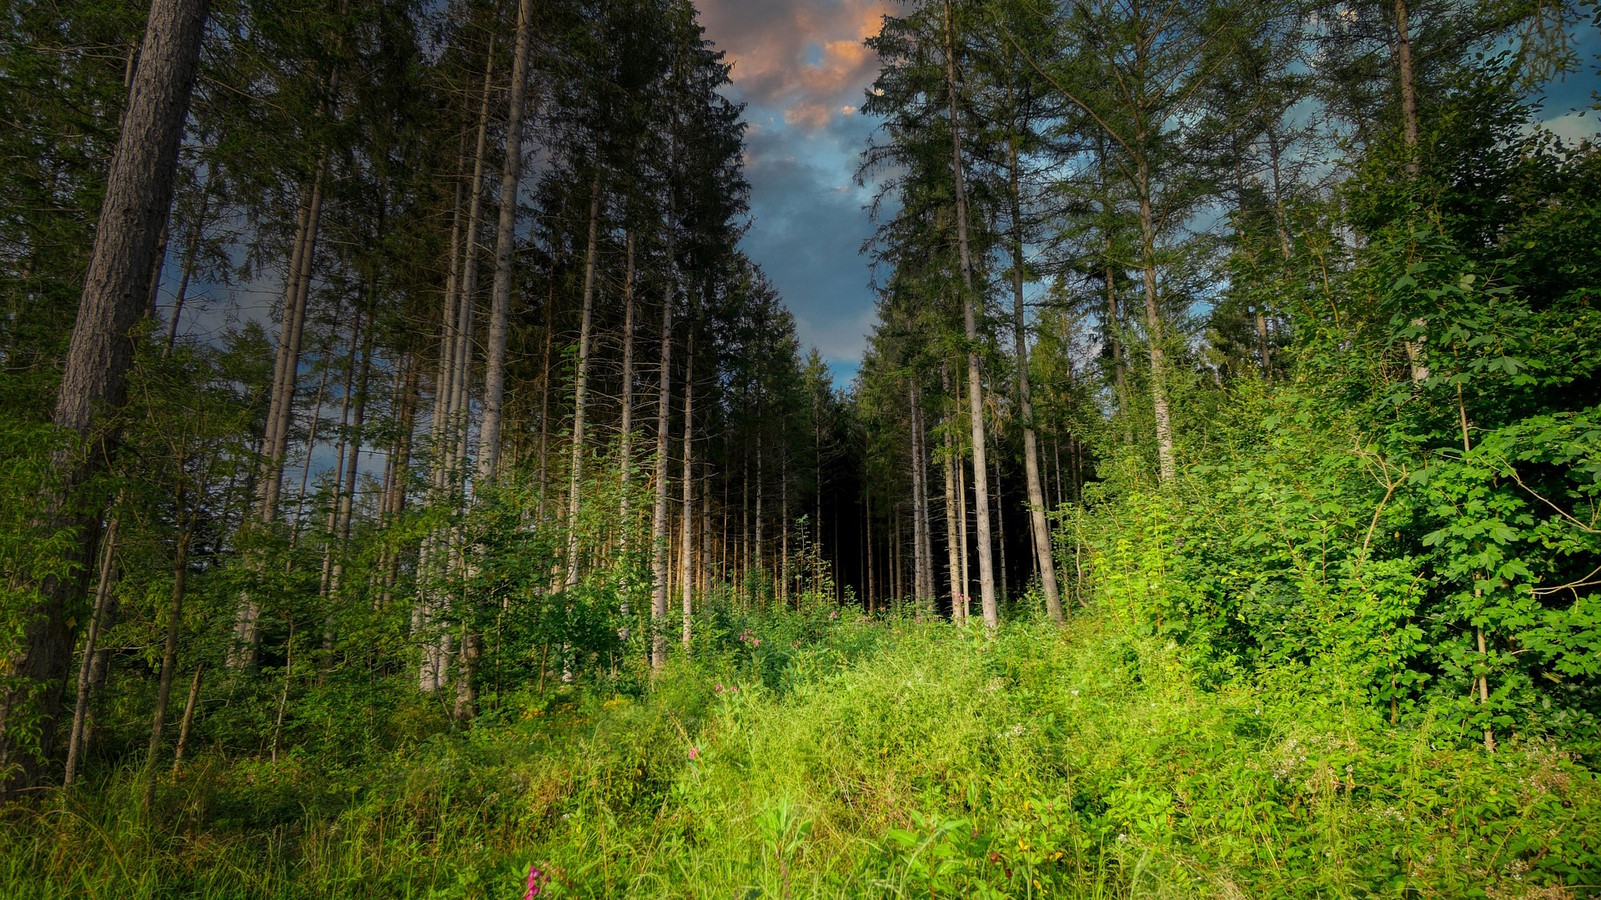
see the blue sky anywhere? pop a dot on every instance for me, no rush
(801, 68)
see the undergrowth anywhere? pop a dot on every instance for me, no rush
(883, 758)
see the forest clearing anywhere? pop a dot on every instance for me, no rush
(823, 448)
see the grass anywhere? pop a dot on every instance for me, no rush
(882, 759)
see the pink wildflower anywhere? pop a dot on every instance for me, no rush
(536, 880)
(694, 752)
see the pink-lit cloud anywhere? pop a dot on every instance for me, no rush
(804, 57)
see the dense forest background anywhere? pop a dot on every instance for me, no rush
(410, 488)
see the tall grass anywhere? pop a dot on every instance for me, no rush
(883, 759)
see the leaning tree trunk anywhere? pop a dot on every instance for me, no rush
(138, 198)
(975, 398)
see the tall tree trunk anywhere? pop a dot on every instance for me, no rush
(575, 485)
(658, 532)
(871, 552)
(953, 561)
(975, 399)
(506, 236)
(686, 577)
(347, 496)
(1031, 458)
(138, 197)
(625, 450)
(459, 402)
(1153, 323)
(544, 397)
(1409, 93)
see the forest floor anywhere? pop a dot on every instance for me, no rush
(800, 757)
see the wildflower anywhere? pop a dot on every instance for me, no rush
(694, 752)
(536, 880)
(834, 614)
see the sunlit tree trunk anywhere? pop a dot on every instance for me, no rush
(975, 399)
(1031, 459)
(658, 532)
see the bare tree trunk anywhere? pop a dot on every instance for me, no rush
(544, 399)
(626, 450)
(1031, 459)
(975, 399)
(500, 297)
(953, 562)
(658, 551)
(138, 197)
(872, 551)
(686, 577)
(191, 253)
(347, 496)
(575, 485)
(1153, 324)
(80, 712)
(919, 557)
(185, 729)
(169, 653)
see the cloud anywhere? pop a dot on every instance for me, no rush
(802, 69)
(804, 57)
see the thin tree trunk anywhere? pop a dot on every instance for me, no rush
(544, 398)
(575, 484)
(659, 541)
(80, 712)
(686, 577)
(185, 729)
(1031, 459)
(975, 399)
(506, 236)
(191, 252)
(953, 560)
(1153, 325)
(347, 497)
(872, 551)
(169, 653)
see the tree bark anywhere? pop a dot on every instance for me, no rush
(1031, 459)
(658, 533)
(575, 484)
(138, 197)
(975, 399)
(1153, 324)
(500, 297)
(686, 577)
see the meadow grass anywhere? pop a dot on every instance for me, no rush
(882, 759)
